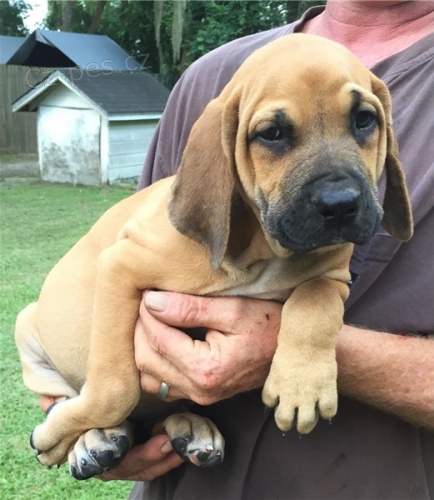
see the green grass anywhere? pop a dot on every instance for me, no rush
(39, 223)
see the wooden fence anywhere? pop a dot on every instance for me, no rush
(18, 130)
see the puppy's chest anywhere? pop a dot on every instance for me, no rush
(273, 280)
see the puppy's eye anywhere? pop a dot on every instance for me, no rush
(271, 134)
(276, 135)
(365, 120)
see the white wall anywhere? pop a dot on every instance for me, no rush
(128, 145)
(68, 144)
(62, 97)
(80, 146)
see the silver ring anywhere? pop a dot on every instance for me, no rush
(164, 390)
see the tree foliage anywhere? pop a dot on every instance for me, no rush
(11, 17)
(168, 35)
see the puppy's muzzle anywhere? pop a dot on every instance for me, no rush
(326, 211)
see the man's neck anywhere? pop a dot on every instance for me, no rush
(374, 30)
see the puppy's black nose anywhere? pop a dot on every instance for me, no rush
(338, 207)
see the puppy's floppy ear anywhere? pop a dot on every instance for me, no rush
(202, 192)
(397, 218)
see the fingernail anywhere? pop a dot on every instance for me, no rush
(157, 301)
(167, 446)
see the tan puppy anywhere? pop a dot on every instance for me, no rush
(277, 182)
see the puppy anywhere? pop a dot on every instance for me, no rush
(277, 182)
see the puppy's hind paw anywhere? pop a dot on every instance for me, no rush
(100, 449)
(196, 439)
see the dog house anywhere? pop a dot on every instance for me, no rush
(94, 127)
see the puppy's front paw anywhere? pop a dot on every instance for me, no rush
(100, 449)
(196, 439)
(301, 391)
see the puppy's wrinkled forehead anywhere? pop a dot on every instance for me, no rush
(289, 66)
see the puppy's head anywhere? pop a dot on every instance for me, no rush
(299, 138)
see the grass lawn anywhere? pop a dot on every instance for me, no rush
(39, 223)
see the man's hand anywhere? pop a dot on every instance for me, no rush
(46, 401)
(235, 356)
(146, 461)
(240, 344)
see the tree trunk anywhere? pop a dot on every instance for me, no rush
(177, 26)
(67, 8)
(97, 17)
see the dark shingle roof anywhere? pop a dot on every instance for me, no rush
(60, 49)
(121, 92)
(125, 92)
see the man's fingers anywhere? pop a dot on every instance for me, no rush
(203, 370)
(159, 348)
(145, 462)
(151, 385)
(176, 309)
(224, 318)
(154, 326)
(163, 357)
(174, 347)
(46, 401)
(164, 353)
(220, 314)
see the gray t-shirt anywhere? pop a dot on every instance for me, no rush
(365, 453)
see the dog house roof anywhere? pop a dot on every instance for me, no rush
(112, 93)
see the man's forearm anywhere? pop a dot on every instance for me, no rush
(391, 372)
